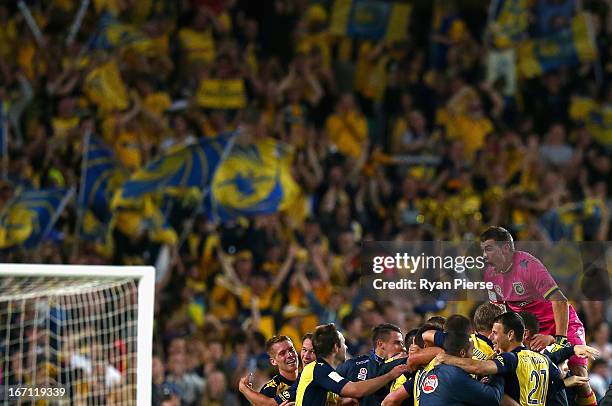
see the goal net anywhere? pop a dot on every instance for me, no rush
(75, 335)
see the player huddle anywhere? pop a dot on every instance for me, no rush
(514, 357)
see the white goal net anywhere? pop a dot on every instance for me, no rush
(75, 335)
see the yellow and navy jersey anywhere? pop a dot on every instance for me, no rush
(365, 367)
(277, 387)
(527, 375)
(316, 381)
(483, 347)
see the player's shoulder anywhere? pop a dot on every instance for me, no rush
(272, 383)
(526, 260)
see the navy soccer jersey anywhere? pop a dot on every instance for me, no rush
(279, 386)
(319, 384)
(451, 386)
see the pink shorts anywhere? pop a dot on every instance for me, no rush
(575, 335)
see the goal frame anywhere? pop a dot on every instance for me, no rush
(145, 275)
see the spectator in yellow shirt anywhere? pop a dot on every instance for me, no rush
(347, 128)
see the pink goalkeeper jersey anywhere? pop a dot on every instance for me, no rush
(527, 286)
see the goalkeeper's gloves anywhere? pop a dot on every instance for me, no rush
(560, 342)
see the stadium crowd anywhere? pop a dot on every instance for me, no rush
(392, 141)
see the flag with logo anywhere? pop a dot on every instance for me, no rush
(254, 179)
(597, 118)
(370, 19)
(509, 21)
(105, 87)
(189, 167)
(100, 178)
(112, 33)
(566, 48)
(30, 216)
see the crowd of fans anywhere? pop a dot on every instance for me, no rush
(389, 144)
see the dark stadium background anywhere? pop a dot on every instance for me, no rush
(401, 141)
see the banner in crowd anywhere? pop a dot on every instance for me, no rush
(501, 66)
(30, 216)
(105, 87)
(222, 94)
(554, 15)
(370, 19)
(112, 33)
(569, 47)
(509, 21)
(254, 179)
(192, 166)
(597, 118)
(101, 173)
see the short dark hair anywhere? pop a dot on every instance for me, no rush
(409, 336)
(324, 339)
(498, 234)
(512, 321)
(307, 336)
(458, 324)
(437, 320)
(275, 340)
(418, 340)
(485, 315)
(455, 342)
(530, 321)
(383, 331)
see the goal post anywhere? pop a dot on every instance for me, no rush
(87, 330)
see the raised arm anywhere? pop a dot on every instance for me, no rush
(285, 268)
(469, 365)
(254, 398)
(369, 386)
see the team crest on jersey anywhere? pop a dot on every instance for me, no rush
(430, 384)
(518, 288)
(285, 395)
(363, 374)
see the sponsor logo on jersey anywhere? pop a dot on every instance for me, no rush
(430, 384)
(519, 289)
(363, 374)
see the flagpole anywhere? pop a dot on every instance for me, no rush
(81, 198)
(27, 14)
(5, 157)
(78, 20)
(59, 211)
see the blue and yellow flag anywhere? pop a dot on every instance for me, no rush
(189, 167)
(254, 179)
(597, 118)
(29, 217)
(105, 87)
(509, 21)
(112, 33)
(370, 19)
(568, 47)
(100, 178)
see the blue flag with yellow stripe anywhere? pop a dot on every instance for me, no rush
(565, 48)
(191, 166)
(101, 172)
(254, 179)
(370, 19)
(30, 216)
(112, 33)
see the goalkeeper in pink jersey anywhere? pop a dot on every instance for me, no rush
(522, 283)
